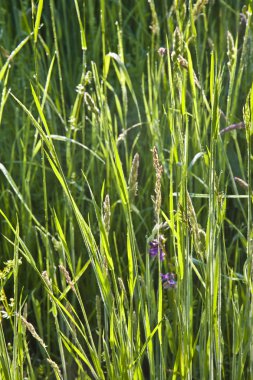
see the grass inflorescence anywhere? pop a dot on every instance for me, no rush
(126, 189)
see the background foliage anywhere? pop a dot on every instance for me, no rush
(121, 121)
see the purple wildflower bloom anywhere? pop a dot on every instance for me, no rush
(169, 280)
(156, 247)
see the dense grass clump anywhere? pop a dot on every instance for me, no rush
(126, 189)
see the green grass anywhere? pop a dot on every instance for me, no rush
(107, 143)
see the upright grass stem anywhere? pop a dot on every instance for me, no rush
(100, 294)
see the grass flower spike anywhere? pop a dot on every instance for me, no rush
(126, 173)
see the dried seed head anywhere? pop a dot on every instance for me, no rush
(32, 330)
(232, 127)
(241, 183)
(55, 367)
(67, 277)
(183, 62)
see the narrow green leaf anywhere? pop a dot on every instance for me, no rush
(37, 21)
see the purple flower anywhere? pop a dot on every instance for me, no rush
(157, 247)
(169, 280)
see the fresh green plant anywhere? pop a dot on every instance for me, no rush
(126, 189)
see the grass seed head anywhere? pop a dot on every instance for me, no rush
(67, 277)
(199, 7)
(177, 45)
(133, 177)
(46, 278)
(241, 183)
(158, 195)
(55, 367)
(32, 330)
(231, 51)
(107, 213)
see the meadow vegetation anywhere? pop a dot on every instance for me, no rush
(126, 189)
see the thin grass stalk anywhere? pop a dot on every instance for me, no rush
(248, 112)
(241, 67)
(49, 264)
(131, 333)
(63, 182)
(73, 322)
(5, 365)
(210, 276)
(53, 20)
(213, 262)
(155, 31)
(211, 235)
(185, 294)
(103, 35)
(188, 270)
(17, 367)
